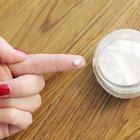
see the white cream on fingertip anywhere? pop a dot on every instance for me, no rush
(77, 62)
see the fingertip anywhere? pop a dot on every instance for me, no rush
(79, 61)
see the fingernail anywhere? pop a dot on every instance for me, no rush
(4, 89)
(21, 51)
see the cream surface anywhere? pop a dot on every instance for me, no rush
(120, 62)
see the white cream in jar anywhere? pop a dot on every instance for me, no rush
(116, 63)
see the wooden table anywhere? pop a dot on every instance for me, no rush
(75, 107)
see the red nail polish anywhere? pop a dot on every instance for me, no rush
(21, 51)
(4, 89)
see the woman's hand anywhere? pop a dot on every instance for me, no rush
(21, 81)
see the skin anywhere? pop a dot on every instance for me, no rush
(19, 71)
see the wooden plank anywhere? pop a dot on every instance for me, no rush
(74, 106)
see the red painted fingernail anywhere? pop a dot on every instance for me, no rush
(4, 89)
(21, 51)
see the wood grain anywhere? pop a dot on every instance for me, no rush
(74, 106)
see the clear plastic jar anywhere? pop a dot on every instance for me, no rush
(120, 91)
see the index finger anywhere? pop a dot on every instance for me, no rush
(43, 63)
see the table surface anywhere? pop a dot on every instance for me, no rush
(74, 107)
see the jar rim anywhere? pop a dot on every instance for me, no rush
(99, 50)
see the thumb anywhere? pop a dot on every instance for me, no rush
(8, 54)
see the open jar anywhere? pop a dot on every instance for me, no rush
(116, 63)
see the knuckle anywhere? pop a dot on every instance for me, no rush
(12, 113)
(29, 120)
(31, 65)
(43, 82)
(37, 103)
(56, 66)
(40, 81)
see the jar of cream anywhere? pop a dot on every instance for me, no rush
(116, 63)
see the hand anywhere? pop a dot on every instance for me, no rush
(21, 81)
